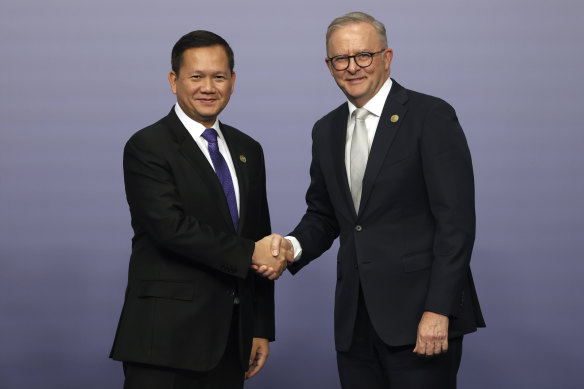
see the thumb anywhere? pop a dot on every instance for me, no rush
(275, 246)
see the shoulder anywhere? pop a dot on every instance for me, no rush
(240, 137)
(342, 111)
(331, 122)
(156, 135)
(422, 101)
(167, 129)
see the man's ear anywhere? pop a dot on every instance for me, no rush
(232, 81)
(172, 79)
(388, 56)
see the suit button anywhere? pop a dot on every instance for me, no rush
(358, 228)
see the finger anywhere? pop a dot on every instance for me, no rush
(253, 370)
(277, 274)
(260, 360)
(258, 363)
(289, 253)
(420, 349)
(445, 345)
(252, 356)
(263, 274)
(429, 349)
(275, 245)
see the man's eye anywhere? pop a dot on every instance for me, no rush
(195, 77)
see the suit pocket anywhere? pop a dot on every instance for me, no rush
(417, 261)
(166, 290)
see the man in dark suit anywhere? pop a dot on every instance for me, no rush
(194, 315)
(391, 174)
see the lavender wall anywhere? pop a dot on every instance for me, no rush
(79, 77)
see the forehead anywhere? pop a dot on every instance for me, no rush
(200, 58)
(355, 36)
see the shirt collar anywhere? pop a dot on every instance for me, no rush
(376, 103)
(195, 128)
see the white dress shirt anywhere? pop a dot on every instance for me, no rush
(375, 108)
(196, 130)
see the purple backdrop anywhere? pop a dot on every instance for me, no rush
(79, 77)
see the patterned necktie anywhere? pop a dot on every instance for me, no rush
(359, 155)
(223, 174)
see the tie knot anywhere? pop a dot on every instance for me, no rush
(360, 113)
(210, 135)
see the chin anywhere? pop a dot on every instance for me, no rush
(355, 92)
(355, 96)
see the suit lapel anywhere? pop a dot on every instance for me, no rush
(338, 143)
(191, 151)
(384, 136)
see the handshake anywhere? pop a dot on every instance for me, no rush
(272, 255)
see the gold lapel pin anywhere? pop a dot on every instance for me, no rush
(242, 158)
(394, 118)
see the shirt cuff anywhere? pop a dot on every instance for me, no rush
(297, 247)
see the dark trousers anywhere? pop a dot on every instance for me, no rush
(228, 374)
(372, 364)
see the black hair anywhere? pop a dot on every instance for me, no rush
(198, 38)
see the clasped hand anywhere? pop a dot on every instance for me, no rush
(271, 256)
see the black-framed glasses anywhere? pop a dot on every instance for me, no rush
(363, 60)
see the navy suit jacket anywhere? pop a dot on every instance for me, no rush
(409, 246)
(187, 261)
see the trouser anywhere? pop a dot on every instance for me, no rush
(372, 364)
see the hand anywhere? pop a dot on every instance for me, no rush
(263, 258)
(279, 245)
(259, 353)
(432, 334)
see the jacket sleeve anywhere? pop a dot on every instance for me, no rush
(264, 321)
(318, 228)
(448, 173)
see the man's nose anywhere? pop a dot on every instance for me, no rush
(207, 86)
(353, 67)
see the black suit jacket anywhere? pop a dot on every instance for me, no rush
(410, 244)
(187, 261)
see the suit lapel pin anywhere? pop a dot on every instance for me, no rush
(242, 158)
(394, 118)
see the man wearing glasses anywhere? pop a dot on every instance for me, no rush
(391, 174)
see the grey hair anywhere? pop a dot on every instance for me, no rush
(357, 17)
